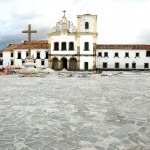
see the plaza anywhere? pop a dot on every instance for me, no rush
(76, 112)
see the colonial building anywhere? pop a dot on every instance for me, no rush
(73, 48)
(123, 57)
(76, 48)
(14, 55)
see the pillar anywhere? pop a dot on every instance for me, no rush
(68, 65)
(59, 65)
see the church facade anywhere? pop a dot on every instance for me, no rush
(73, 48)
(76, 48)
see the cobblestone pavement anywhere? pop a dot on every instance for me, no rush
(71, 113)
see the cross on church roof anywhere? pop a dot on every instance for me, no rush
(29, 31)
(64, 12)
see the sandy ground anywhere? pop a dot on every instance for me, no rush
(79, 112)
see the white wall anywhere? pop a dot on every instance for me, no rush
(64, 38)
(83, 39)
(6, 59)
(88, 59)
(88, 19)
(18, 62)
(111, 60)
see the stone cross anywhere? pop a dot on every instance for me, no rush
(29, 31)
(64, 12)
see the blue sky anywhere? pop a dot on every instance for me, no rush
(119, 21)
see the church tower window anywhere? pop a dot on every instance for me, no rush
(71, 46)
(86, 46)
(56, 46)
(63, 46)
(86, 25)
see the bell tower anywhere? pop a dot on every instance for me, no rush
(87, 23)
(87, 38)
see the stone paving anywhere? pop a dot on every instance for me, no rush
(71, 113)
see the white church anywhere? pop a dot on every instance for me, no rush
(76, 48)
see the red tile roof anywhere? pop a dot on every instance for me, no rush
(129, 47)
(42, 44)
(10, 47)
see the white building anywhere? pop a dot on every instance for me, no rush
(14, 55)
(120, 57)
(73, 48)
(76, 48)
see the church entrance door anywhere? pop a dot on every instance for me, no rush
(64, 63)
(86, 66)
(73, 64)
(55, 64)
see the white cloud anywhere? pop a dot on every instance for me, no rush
(119, 21)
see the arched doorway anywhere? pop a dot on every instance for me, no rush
(73, 64)
(55, 64)
(64, 63)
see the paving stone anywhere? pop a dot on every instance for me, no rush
(35, 144)
(53, 113)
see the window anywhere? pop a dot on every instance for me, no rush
(63, 46)
(86, 46)
(147, 53)
(12, 62)
(105, 54)
(19, 55)
(26, 54)
(56, 46)
(146, 65)
(86, 65)
(133, 65)
(71, 46)
(46, 53)
(100, 54)
(12, 54)
(1, 62)
(38, 55)
(126, 54)
(23, 61)
(116, 65)
(1, 54)
(42, 62)
(116, 55)
(104, 65)
(86, 25)
(127, 65)
(137, 55)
